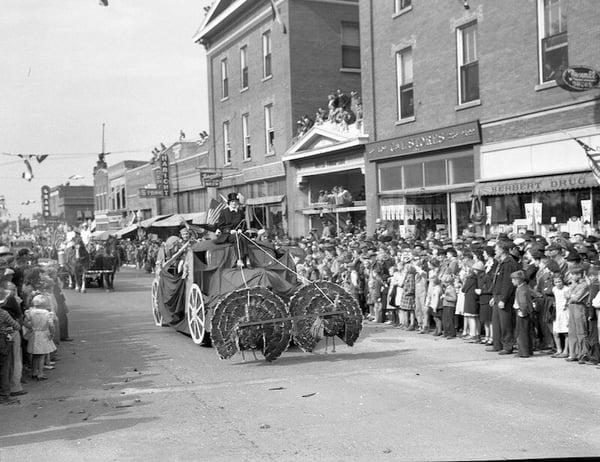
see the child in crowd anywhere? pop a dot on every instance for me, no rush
(471, 310)
(560, 326)
(434, 296)
(39, 320)
(523, 306)
(449, 298)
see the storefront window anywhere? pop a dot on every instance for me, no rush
(394, 176)
(435, 173)
(413, 176)
(562, 204)
(507, 209)
(390, 178)
(461, 170)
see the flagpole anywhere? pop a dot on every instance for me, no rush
(103, 146)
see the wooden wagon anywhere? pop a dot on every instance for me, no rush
(201, 292)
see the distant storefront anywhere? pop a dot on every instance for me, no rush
(423, 182)
(326, 179)
(540, 183)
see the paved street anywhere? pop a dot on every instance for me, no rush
(127, 390)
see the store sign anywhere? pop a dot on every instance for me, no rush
(211, 179)
(164, 171)
(46, 201)
(433, 140)
(150, 192)
(531, 185)
(578, 78)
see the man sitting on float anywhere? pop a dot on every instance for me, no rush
(232, 220)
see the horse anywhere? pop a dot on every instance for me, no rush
(109, 259)
(77, 261)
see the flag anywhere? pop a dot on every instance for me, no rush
(593, 158)
(28, 175)
(277, 17)
(214, 210)
(41, 158)
(103, 2)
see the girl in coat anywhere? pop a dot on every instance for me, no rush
(471, 308)
(39, 320)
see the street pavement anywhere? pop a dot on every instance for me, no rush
(125, 389)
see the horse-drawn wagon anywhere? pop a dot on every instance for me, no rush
(258, 307)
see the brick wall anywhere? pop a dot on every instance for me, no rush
(508, 61)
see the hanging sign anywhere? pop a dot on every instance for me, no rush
(211, 179)
(46, 201)
(578, 78)
(164, 170)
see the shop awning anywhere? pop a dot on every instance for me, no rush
(127, 230)
(150, 221)
(536, 184)
(178, 219)
(265, 200)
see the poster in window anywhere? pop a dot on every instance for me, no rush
(418, 213)
(488, 214)
(537, 210)
(410, 212)
(529, 212)
(586, 210)
(427, 212)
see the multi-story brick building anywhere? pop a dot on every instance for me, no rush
(460, 97)
(262, 80)
(71, 204)
(111, 195)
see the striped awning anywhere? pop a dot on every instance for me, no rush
(536, 184)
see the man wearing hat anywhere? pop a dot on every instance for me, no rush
(503, 295)
(555, 252)
(230, 221)
(7, 326)
(523, 306)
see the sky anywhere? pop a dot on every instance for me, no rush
(68, 66)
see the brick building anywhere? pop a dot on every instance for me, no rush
(461, 99)
(72, 204)
(262, 81)
(186, 161)
(111, 195)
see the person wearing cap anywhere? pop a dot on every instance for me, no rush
(39, 320)
(543, 299)
(5, 251)
(523, 306)
(554, 251)
(503, 295)
(576, 305)
(8, 326)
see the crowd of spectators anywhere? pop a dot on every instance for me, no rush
(33, 321)
(520, 293)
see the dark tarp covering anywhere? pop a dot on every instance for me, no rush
(171, 294)
(216, 273)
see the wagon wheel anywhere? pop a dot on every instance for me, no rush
(196, 315)
(156, 314)
(255, 306)
(311, 305)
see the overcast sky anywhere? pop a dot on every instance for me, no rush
(67, 66)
